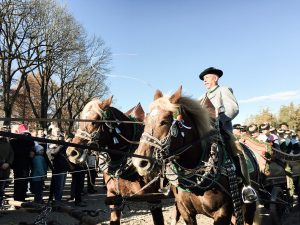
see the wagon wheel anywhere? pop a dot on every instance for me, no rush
(277, 206)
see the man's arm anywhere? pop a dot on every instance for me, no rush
(230, 107)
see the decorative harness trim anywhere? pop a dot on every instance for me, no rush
(167, 160)
(114, 168)
(87, 136)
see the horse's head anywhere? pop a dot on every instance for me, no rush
(91, 132)
(173, 122)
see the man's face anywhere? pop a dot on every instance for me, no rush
(210, 80)
(255, 134)
(266, 132)
(236, 132)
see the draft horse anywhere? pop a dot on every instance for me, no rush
(119, 174)
(178, 132)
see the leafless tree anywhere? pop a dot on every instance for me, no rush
(40, 37)
(18, 55)
(57, 39)
(87, 81)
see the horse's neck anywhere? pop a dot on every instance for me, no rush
(125, 129)
(191, 157)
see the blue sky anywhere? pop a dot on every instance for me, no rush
(165, 44)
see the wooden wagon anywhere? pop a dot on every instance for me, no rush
(278, 176)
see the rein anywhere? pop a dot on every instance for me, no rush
(161, 145)
(64, 143)
(183, 149)
(115, 168)
(87, 136)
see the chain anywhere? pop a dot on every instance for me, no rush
(42, 217)
(125, 202)
(235, 193)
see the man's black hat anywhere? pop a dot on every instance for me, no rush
(252, 128)
(264, 126)
(211, 70)
(236, 126)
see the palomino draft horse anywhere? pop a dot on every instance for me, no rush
(120, 176)
(179, 134)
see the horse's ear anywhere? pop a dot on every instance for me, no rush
(174, 98)
(158, 94)
(106, 103)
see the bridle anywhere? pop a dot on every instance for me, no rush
(93, 138)
(121, 165)
(162, 147)
(162, 153)
(90, 137)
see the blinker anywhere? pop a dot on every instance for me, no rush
(116, 140)
(117, 130)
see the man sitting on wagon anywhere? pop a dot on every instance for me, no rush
(253, 130)
(266, 135)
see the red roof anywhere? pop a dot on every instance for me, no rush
(136, 112)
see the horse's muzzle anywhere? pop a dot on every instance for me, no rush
(143, 166)
(73, 155)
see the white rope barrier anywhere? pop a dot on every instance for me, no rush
(53, 174)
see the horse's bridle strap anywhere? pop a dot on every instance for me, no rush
(83, 134)
(150, 140)
(87, 136)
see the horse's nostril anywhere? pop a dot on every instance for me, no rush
(73, 153)
(143, 163)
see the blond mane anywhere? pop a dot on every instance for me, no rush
(199, 114)
(93, 105)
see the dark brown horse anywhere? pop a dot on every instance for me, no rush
(120, 176)
(190, 155)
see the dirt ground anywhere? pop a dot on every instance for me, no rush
(134, 213)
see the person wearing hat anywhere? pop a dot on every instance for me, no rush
(266, 135)
(284, 126)
(23, 153)
(236, 130)
(244, 130)
(295, 143)
(287, 136)
(281, 139)
(253, 130)
(38, 173)
(227, 109)
(221, 97)
(264, 129)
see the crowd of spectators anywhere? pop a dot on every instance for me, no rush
(28, 163)
(281, 137)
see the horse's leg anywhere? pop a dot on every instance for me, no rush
(223, 216)
(115, 215)
(175, 215)
(187, 216)
(115, 210)
(190, 220)
(222, 220)
(156, 211)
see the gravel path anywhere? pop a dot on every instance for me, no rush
(136, 213)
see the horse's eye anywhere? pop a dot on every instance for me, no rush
(164, 122)
(94, 123)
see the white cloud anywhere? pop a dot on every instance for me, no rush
(280, 96)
